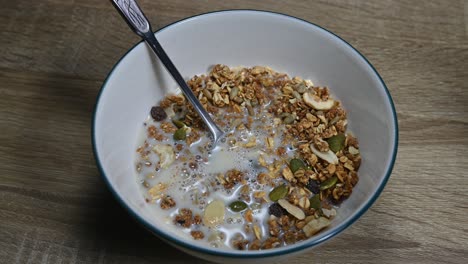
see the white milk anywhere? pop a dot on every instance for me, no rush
(187, 185)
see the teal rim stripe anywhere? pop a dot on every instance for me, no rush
(250, 254)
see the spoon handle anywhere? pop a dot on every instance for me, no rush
(138, 22)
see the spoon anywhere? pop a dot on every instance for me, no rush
(138, 22)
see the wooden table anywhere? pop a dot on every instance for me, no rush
(55, 54)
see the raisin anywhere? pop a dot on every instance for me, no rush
(313, 186)
(158, 113)
(276, 210)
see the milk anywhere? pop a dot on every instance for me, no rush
(192, 187)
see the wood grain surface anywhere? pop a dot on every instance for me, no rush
(55, 54)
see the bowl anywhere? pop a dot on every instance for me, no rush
(244, 37)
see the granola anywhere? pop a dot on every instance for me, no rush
(286, 164)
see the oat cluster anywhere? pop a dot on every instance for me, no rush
(304, 187)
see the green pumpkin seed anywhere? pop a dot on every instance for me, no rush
(328, 183)
(289, 119)
(180, 134)
(278, 192)
(337, 142)
(238, 206)
(296, 164)
(178, 123)
(315, 202)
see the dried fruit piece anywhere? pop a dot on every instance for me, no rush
(313, 186)
(238, 206)
(328, 156)
(292, 209)
(315, 102)
(328, 183)
(158, 113)
(276, 210)
(214, 213)
(296, 164)
(278, 192)
(337, 143)
(315, 202)
(315, 225)
(180, 134)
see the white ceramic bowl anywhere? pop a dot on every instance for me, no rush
(247, 38)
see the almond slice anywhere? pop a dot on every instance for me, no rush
(315, 102)
(328, 156)
(292, 209)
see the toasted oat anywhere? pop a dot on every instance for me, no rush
(167, 202)
(197, 235)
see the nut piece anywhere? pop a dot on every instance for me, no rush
(329, 213)
(157, 191)
(353, 151)
(328, 156)
(315, 225)
(214, 213)
(287, 174)
(270, 142)
(257, 231)
(166, 155)
(293, 210)
(251, 143)
(315, 102)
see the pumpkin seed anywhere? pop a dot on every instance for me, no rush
(296, 164)
(337, 142)
(180, 134)
(178, 123)
(289, 119)
(278, 192)
(238, 206)
(328, 183)
(315, 202)
(297, 95)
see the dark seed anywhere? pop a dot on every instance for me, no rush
(276, 210)
(158, 113)
(313, 186)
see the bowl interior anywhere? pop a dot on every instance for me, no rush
(245, 38)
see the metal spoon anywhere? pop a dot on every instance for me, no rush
(138, 22)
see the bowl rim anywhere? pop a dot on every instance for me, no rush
(260, 253)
